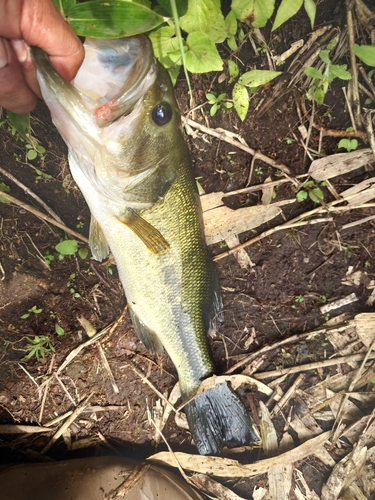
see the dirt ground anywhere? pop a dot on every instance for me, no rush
(294, 273)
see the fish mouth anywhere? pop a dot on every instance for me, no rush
(127, 68)
(113, 77)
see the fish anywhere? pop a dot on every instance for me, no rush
(127, 153)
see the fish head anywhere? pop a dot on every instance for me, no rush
(119, 119)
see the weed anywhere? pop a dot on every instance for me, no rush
(73, 287)
(53, 314)
(312, 190)
(60, 331)
(48, 257)
(80, 225)
(323, 298)
(321, 81)
(289, 140)
(41, 176)
(32, 310)
(39, 346)
(366, 264)
(258, 171)
(299, 298)
(222, 244)
(70, 247)
(217, 102)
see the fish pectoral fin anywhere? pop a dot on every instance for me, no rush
(148, 337)
(147, 233)
(98, 244)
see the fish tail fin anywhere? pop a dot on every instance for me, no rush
(217, 418)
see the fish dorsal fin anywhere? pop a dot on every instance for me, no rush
(98, 243)
(147, 336)
(147, 233)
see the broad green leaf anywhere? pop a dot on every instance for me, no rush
(287, 9)
(112, 19)
(310, 9)
(301, 195)
(202, 55)
(165, 43)
(63, 6)
(254, 13)
(339, 71)
(233, 70)
(59, 330)
(316, 195)
(5, 189)
(67, 247)
(205, 16)
(20, 123)
(232, 44)
(313, 73)
(257, 77)
(324, 56)
(83, 252)
(180, 4)
(231, 24)
(32, 154)
(240, 97)
(318, 95)
(366, 53)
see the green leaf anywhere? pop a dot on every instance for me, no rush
(240, 98)
(310, 9)
(287, 9)
(232, 44)
(254, 13)
(231, 24)
(301, 195)
(257, 77)
(202, 55)
(112, 19)
(318, 95)
(366, 53)
(83, 252)
(339, 71)
(67, 247)
(180, 4)
(5, 189)
(60, 331)
(165, 46)
(63, 6)
(205, 16)
(316, 195)
(32, 154)
(20, 123)
(233, 71)
(214, 109)
(324, 56)
(313, 73)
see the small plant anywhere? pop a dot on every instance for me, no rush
(48, 257)
(366, 264)
(347, 143)
(33, 310)
(258, 171)
(299, 299)
(39, 346)
(312, 190)
(321, 81)
(217, 102)
(72, 286)
(60, 331)
(80, 225)
(5, 189)
(70, 247)
(323, 298)
(41, 175)
(289, 140)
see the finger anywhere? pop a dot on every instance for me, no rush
(39, 23)
(15, 93)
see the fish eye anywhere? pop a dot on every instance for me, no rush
(162, 114)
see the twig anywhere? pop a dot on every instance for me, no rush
(22, 429)
(350, 111)
(107, 368)
(42, 216)
(67, 423)
(146, 381)
(65, 390)
(289, 393)
(353, 63)
(32, 194)
(313, 366)
(46, 387)
(30, 376)
(134, 477)
(224, 137)
(357, 222)
(286, 225)
(368, 81)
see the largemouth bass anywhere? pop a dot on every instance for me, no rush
(128, 156)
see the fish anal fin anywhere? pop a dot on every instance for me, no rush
(217, 418)
(146, 232)
(98, 244)
(147, 336)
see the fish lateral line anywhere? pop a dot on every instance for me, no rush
(145, 231)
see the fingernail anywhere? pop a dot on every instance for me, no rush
(3, 54)
(21, 50)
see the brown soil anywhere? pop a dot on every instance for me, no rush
(294, 272)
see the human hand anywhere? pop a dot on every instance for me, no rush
(25, 23)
